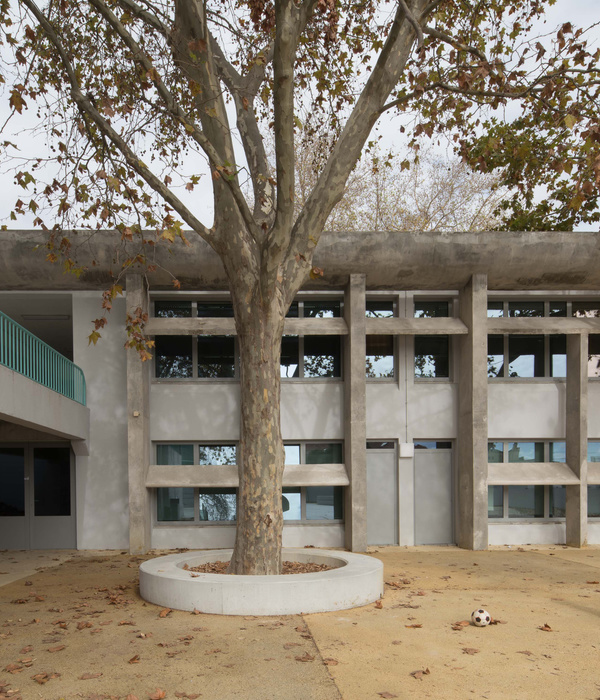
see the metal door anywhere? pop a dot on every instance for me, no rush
(382, 497)
(433, 497)
(37, 497)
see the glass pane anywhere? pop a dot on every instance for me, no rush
(322, 356)
(558, 502)
(432, 445)
(525, 308)
(12, 481)
(495, 360)
(432, 356)
(290, 353)
(292, 454)
(322, 309)
(324, 453)
(324, 502)
(526, 452)
(173, 309)
(292, 503)
(217, 454)
(52, 480)
(593, 452)
(217, 504)
(594, 355)
(495, 452)
(495, 309)
(525, 356)
(558, 452)
(380, 445)
(525, 501)
(293, 310)
(174, 504)
(431, 309)
(216, 356)
(593, 501)
(379, 309)
(586, 309)
(380, 356)
(558, 355)
(175, 454)
(557, 308)
(173, 356)
(215, 309)
(495, 496)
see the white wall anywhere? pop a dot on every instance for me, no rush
(101, 478)
(516, 533)
(521, 410)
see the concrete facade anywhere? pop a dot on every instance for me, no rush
(129, 496)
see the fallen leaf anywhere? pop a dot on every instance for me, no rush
(127, 622)
(196, 612)
(19, 601)
(26, 650)
(60, 647)
(163, 613)
(158, 694)
(378, 604)
(193, 696)
(289, 645)
(134, 659)
(470, 651)
(526, 652)
(415, 626)
(44, 677)
(330, 662)
(546, 628)
(460, 625)
(419, 674)
(13, 668)
(89, 676)
(385, 694)
(132, 697)
(397, 641)
(28, 583)
(593, 582)
(305, 657)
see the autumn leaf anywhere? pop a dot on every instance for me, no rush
(305, 657)
(385, 694)
(89, 676)
(13, 668)
(60, 647)
(420, 673)
(526, 652)
(460, 625)
(546, 628)
(44, 677)
(158, 694)
(180, 694)
(470, 651)
(378, 604)
(26, 650)
(415, 626)
(593, 582)
(132, 697)
(164, 612)
(83, 625)
(330, 662)
(134, 659)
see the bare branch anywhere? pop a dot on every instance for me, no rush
(415, 25)
(149, 18)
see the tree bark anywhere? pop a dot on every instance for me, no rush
(261, 455)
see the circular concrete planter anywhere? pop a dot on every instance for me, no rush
(356, 580)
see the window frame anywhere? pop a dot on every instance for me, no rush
(452, 303)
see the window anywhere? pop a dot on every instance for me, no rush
(380, 357)
(313, 502)
(219, 504)
(535, 501)
(432, 352)
(432, 445)
(178, 504)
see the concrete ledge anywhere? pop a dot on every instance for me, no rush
(357, 580)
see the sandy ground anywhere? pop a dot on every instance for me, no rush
(82, 623)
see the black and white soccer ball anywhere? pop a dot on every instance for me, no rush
(481, 618)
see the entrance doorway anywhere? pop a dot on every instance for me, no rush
(382, 493)
(433, 493)
(37, 497)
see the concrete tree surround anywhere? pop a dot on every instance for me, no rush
(357, 580)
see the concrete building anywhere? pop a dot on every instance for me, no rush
(436, 388)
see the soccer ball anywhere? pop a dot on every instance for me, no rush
(481, 618)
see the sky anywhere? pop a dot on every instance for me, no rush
(578, 12)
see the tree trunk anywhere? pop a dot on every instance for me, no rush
(261, 455)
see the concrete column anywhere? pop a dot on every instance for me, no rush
(355, 414)
(577, 435)
(472, 417)
(138, 434)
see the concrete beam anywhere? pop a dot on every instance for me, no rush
(544, 326)
(472, 417)
(523, 260)
(577, 437)
(355, 414)
(138, 434)
(226, 326)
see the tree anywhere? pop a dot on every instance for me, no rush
(384, 193)
(133, 91)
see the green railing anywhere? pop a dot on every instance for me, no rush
(26, 354)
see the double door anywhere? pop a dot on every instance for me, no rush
(37, 497)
